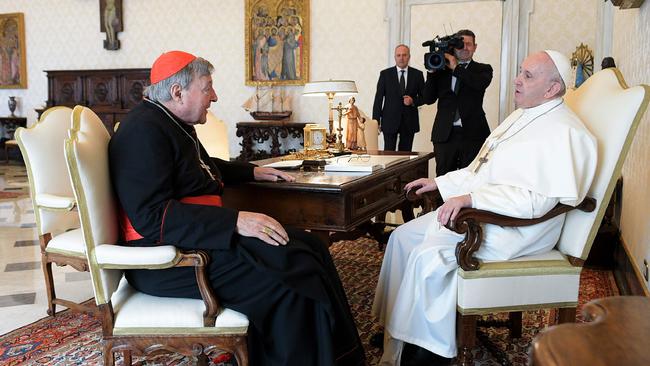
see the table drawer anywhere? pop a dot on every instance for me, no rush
(369, 200)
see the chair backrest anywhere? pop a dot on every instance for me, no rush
(42, 148)
(612, 112)
(372, 134)
(86, 152)
(213, 135)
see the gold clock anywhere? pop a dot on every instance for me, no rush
(315, 137)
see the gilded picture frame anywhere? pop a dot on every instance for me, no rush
(13, 67)
(277, 42)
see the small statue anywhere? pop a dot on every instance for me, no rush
(353, 116)
(361, 134)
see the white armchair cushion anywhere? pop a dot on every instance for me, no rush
(138, 313)
(68, 243)
(545, 280)
(51, 201)
(117, 256)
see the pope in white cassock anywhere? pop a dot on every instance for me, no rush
(541, 155)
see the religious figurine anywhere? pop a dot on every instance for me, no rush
(361, 136)
(353, 116)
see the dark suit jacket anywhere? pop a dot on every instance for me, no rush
(389, 109)
(473, 81)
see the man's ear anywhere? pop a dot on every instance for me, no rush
(175, 91)
(553, 90)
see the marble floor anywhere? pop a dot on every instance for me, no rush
(22, 285)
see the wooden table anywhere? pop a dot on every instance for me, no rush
(325, 202)
(259, 132)
(617, 334)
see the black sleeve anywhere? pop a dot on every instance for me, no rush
(430, 90)
(419, 99)
(234, 172)
(379, 98)
(478, 78)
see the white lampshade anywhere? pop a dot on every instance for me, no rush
(338, 87)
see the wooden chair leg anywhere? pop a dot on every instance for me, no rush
(515, 324)
(566, 315)
(107, 355)
(241, 353)
(202, 360)
(49, 285)
(466, 336)
(127, 357)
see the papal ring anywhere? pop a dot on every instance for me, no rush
(267, 230)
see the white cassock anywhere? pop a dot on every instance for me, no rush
(536, 158)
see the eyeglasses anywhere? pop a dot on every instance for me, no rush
(362, 158)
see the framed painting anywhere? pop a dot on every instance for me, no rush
(277, 42)
(13, 70)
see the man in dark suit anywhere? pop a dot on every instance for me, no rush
(460, 127)
(398, 96)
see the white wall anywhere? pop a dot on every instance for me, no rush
(631, 51)
(64, 34)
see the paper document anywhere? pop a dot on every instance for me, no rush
(363, 163)
(285, 164)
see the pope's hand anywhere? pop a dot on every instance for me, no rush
(272, 174)
(449, 210)
(262, 227)
(407, 100)
(422, 185)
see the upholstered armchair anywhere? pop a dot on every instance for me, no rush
(54, 205)
(611, 111)
(133, 322)
(213, 135)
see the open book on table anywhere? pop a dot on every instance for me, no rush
(364, 163)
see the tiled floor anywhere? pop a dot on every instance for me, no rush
(22, 285)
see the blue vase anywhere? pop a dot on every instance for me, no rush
(12, 106)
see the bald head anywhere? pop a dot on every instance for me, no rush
(402, 56)
(538, 81)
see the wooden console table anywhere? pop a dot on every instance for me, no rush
(10, 124)
(259, 132)
(325, 202)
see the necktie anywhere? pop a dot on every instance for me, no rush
(402, 83)
(457, 115)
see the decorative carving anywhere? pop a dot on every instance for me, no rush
(100, 92)
(260, 132)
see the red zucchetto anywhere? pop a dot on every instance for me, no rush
(168, 64)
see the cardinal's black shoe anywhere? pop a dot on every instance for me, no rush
(377, 340)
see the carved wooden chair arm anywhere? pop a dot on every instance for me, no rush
(199, 259)
(468, 222)
(428, 200)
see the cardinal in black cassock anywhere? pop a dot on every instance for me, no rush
(170, 193)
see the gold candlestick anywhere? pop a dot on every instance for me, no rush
(339, 146)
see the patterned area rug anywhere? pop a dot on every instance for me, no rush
(73, 339)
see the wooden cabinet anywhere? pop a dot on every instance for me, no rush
(110, 93)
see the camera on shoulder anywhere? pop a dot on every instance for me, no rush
(438, 46)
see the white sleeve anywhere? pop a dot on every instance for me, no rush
(453, 183)
(512, 201)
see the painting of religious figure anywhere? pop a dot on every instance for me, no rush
(277, 42)
(13, 71)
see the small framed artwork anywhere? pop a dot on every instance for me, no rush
(277, 42)
(13, 69)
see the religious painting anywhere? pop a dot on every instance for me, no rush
(13, 70)
(277, 42)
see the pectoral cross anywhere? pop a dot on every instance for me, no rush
(206, 168)
(482, 160)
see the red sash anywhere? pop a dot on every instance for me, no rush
(129, 233)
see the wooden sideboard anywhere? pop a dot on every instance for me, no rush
(110, 93)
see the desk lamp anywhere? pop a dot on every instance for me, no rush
(330, 88)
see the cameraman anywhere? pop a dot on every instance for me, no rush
(460, 126)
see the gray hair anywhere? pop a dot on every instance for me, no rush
(160, 91)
